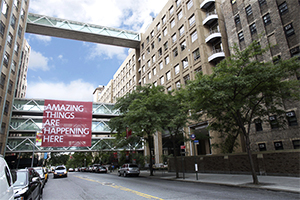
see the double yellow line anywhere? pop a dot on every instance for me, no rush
(122, 188)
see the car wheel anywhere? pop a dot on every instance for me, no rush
(119, 173)
(124, 174)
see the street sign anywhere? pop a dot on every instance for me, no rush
(196, 141)
(193, 137)
(182, 147)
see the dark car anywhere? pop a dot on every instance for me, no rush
(40, 170)
(28, 184)
(101, 169)
(60, 171)
(129, 169)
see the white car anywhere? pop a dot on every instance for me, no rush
(6, 181)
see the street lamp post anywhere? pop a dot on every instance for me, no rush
(32, 152)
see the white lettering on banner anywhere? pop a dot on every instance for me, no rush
(53, 138)
(63, 115)
(63, 107)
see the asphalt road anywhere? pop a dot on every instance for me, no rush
(84, 185)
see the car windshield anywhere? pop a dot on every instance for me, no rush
(133, 165)
(40, 171)
(21, 179)
(59, 168)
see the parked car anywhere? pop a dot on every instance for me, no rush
(40, 170)
(6, 181)
(129, 169)
(83, 169)
(71, 169)
(101, 169)
(60, 171)
(95, 167)
(28, 184)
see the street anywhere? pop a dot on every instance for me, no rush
(85, 185)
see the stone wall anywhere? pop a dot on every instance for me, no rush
(285, 163)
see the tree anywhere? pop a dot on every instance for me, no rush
(241, 89)
(143, 112)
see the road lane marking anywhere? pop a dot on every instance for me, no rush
(121, 188)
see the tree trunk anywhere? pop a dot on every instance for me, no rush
(175, 156)
(150, 162)
(254, 175)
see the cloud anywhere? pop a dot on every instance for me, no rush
(38, 62)
(112, 13)
(76, 90)
(107, 51)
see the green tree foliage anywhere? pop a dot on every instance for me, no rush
(58, 159)
(143, 112)
(241, 89)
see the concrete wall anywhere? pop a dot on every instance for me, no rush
(285, 163)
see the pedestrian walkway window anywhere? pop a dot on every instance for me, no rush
(278, 145)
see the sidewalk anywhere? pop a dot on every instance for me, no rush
(275, 183)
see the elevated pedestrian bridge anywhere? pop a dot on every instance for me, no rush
(63, 28)
(27, 117)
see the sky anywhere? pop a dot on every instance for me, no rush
(65, 69)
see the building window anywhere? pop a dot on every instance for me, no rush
(6, 59)
(249, 10)
(161, 65)
(10, 86)
(23, 14)
(9, 39)
(3, 127)
(252, 28)
(159, 52)
(241, 36)
(171, 10)
(158, 26)
(278, 145)
(148, 63)
(292, 119)
(258, 125)
(148, 50)
(142, 45)
(237, 20)
(143, 69)
(194, 36)
(185, 63)
(162, 80)
(168, 75)
(159, 38)
(149, 75)
(143, 56)
(267, 19)
(6, 108)
(163, 20)
(176, 69)
(183, 45)
(166, 46)
(262, 2)
(192, 20)
(155, 84)
(289, 30)
(196, 54)
(169, 89)
(13, 21)
(5, 9)
(167, 60)
(295, 52)
(179, 15)
(175, 52)
(273, 122)
(17, 46)
(283, 8)
(186, 79)
(174, 38)
(153, 59)
(189, 4)
(172, 23)
(2, 80)
(154, 71)
(262, 147)
(147, 39)
(178, 2)
(296, 144)
(13, 66)
(177, 84)
(152, 45)
(181, 30)
(20, 30)
(165, 32)
(2, 29)
(233, 2)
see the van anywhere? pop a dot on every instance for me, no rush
(6, 181)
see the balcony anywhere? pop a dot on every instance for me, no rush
(206, 3)
(213, 36)
(217, 55)
(211, 17)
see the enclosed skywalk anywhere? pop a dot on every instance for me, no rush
(27, 117)
(63, 28)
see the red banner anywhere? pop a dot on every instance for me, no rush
(67, 124)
